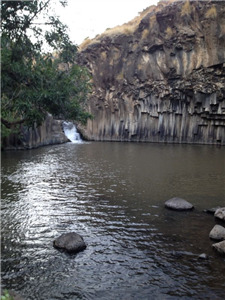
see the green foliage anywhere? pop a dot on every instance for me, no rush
(34, 81)
(6, 296)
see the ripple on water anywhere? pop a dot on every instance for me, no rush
(135, 248)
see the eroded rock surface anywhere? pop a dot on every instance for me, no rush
(178, 204)
(162, 80)
(71, 242)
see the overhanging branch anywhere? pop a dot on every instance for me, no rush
(10, 124)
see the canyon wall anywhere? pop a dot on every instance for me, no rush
(160, 77)
(49, 133)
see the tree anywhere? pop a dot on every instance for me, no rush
(35, 80)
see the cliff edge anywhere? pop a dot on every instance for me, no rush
(160, 77)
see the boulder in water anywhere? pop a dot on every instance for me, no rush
(203, 256)
(220, 213)
(71, 242)
(178, 204)
(220, 247)
(217, 233)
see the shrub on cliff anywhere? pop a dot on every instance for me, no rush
(6, 296)
(34, 81)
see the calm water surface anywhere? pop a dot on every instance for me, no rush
(113, 195)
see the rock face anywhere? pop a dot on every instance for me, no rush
(220, 213)
(178, 204)
(71, 242)
(217, 233)
(49, 133)
(160, 78)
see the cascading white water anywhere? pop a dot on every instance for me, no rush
(70, 131)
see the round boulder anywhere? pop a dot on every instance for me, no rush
(220, 213)
(220, 247)
(217, 233)
(178, 204)
(71, 242)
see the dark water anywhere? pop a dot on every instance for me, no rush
(112, 194)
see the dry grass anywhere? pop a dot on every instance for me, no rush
(124, 29)
(130, 27)
(84, 44)
(144, 34)
(169, 32)
(152, 20)
(166, 2)
(103, 55)
(120, 76)
(186, 9)
(211, 13)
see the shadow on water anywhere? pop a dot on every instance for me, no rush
(112, 194)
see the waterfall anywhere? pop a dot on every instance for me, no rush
(70, 131)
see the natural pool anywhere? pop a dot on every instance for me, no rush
(113, 195)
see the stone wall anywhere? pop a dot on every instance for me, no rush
(162, 82)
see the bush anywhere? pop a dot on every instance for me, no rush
(6, 296)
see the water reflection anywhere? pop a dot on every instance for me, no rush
(112, 194)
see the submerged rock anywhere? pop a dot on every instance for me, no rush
(71, 242)
(219, 247)
(178, 204)
(220, 213)
(217, 233)
(203, 256)
(211, 210)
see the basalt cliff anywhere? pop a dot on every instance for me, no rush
(160, 77)
(49, 133)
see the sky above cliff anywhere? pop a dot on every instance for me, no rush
(87, 18)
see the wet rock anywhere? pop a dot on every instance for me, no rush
(177, 254)
(217, 233)
(211, 210)
(178, 204)
(71, 242)
(220, 213)
(203, 256)
(219, 247)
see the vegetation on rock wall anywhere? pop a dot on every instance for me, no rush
(34, 81)
(6, 296)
